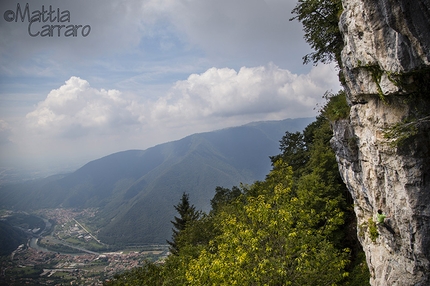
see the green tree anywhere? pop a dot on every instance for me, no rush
(336, 107)
(293, 151)
(320, 19)
(224, 196)
(187, 215)
(274, 239)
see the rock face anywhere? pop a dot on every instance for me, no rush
(386, 69)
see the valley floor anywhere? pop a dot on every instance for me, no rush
(34, 267)
(70, 253)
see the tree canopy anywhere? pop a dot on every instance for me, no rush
(320, 20)
(290, 229)
(279, 237)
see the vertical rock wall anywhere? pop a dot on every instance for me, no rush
(386, 70)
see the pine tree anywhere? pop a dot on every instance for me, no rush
(187, 214)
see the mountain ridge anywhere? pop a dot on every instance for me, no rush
(135, 190)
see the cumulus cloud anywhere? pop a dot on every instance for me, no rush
(107, 120)
(75, 109)
(217, 97)
(146, 77)
(252, 93)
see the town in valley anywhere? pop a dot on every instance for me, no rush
(67, 251)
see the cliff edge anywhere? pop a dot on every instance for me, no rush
(386, 74)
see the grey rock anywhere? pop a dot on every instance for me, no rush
(385, 41)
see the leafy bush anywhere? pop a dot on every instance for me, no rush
(336, 107)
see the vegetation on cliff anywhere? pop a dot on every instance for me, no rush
(320, 20)
(293, 228)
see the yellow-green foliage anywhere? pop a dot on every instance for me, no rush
(276, 238)
(285, 230)
(373, 230)
(370, 228)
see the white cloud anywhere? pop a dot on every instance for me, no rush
(216, 98)
(77, 122)
(255, 93)
(146, 77)
(76, 109)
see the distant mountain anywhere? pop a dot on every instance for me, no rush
(136, 190)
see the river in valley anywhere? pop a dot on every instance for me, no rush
(48, 225)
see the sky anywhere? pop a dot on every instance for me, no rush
(81, 79)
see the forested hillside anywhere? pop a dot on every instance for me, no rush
(296, 227)
(134, 191)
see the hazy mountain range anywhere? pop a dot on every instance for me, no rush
(135, 190)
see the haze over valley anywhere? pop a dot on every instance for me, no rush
(134, 191)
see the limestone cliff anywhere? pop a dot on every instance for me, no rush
(386, 73)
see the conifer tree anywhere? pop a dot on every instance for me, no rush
(187, 214)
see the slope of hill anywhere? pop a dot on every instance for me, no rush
(10, 238)
(135, 190)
